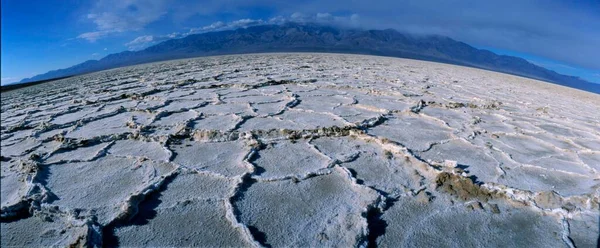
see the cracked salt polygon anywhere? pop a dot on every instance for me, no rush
(476, 160)
(559, 142)
(137, 148)
(371, 164)
(272, 90)
(196, 185)
(162, 131)
(186, 223)
(374, 103)
(523, 149)
(39, 231)
(102, 184)
(113, 125)
(494, 124)
(149, 104)
(222, 109)
(354, 114)
(413, 132)
(440, 224)
(454, 118)
(225, 158)
(301, 89)
(179, 105)
(564, 163)
(176, 94)
(72, 117)
(253, 99)
(591, 144)
(319, 211)
(238, 93)
(268, 123)
(591, 159)
(51, 133)
(11, 139)
(217, 122)
(20, 148)
(285, 158)
(562, 131)
(171, 119)
(539, 179)
(267, 109)
(312, 120)
(85, 153)
(14, 186)
(322, 103)
(525, 125)
(584, 229)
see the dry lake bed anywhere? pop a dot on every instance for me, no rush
(318, 150)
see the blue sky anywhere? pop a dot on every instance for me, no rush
(38, 36)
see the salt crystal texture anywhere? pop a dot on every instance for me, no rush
(253, 150)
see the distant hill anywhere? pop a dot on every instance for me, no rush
(293, 37)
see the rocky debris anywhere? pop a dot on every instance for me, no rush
(423, 197)
(463, 188)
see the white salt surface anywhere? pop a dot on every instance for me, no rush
(310, 150)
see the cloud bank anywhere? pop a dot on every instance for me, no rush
(116, 16)
(144, 41)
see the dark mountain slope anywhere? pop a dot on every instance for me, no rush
(292, 37)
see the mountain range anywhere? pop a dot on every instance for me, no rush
(295, 37)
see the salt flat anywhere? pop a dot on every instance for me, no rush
(300, 150)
